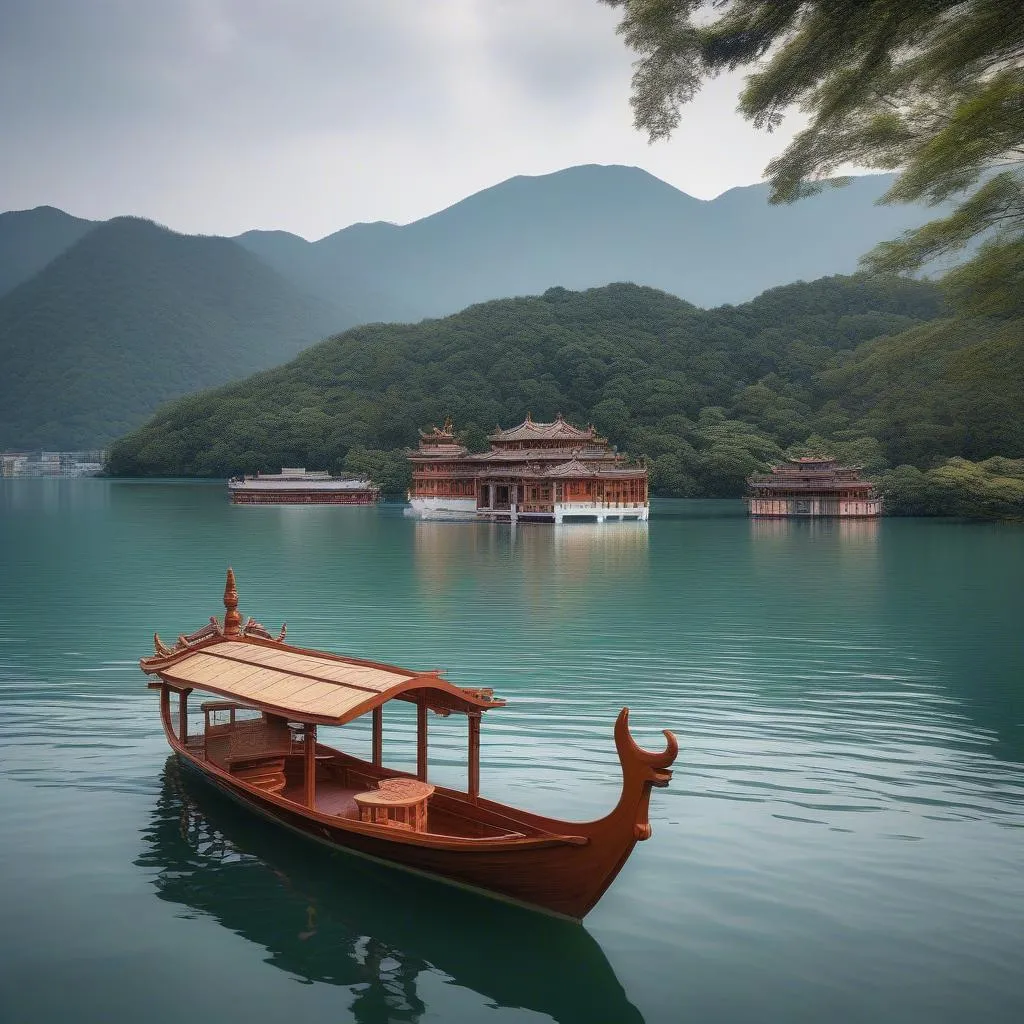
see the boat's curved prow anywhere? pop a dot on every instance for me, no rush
(641, 769)
(629, 751)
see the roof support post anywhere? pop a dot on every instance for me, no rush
(378, 736)
(165, 706)
(421, 738)
(183, 716)
(474, 755)
(309, 775)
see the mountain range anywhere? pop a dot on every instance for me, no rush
(100, 323)
(584, 227)
(131, 316)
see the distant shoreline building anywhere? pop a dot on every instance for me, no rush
(299, 486)
(812, 486)
(541, 472)
(52, 464)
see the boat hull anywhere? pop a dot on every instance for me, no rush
(551, 878)
(442, 508)
(303, 497)
(560, 867)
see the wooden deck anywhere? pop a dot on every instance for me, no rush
(337, 785)
(331, 798)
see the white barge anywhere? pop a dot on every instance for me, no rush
(299, 486)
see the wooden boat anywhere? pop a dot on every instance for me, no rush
(259, 746)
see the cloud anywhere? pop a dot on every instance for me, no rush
(220, 115)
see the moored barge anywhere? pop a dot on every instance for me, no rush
(302, 487)
(812, 486)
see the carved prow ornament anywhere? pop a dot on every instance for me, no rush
(232, 627)
(641, 770)
(232, 616)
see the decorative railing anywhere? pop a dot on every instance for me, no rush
(777, 484)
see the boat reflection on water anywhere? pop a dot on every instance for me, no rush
(333, 918)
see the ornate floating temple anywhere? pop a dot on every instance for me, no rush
(812, 486)
(300, 486)
(545, 472)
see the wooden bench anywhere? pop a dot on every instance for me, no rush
(397, 803)
(256, 748)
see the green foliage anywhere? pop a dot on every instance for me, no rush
(388, 470)
(954, 386)
(992, 489)
(934, 87)
(705, 396)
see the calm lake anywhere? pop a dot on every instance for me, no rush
(843, 839)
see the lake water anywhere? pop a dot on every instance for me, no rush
(843, 839)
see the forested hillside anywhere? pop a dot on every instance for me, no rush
(707, 396)
(101, 323)
(133, 315)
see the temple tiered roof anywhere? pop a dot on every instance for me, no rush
(541, 454)
(440, 441)
(576, 468)
(557, 430)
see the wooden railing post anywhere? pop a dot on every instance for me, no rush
(378, 736)
(421, 739)
(309, 776)
(474, 755)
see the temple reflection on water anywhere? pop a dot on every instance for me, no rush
(850, 529)
(446, 552)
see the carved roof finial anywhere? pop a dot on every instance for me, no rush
(449, 426)
(232, 618)
(529, 417)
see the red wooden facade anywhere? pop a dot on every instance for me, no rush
(544, 471)
(812, 486)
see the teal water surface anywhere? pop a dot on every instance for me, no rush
(843, 838)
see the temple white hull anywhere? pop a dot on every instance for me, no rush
(601, 512)
(442, 508)
(817, 506)
(570, 511)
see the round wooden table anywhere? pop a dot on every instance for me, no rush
(398, 803)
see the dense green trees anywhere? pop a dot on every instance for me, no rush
(934, 88)
(872, 370)
(992, 489)
(706, 396)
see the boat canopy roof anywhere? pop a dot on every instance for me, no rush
(245, 662)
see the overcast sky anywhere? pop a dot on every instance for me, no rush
(216, 116)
